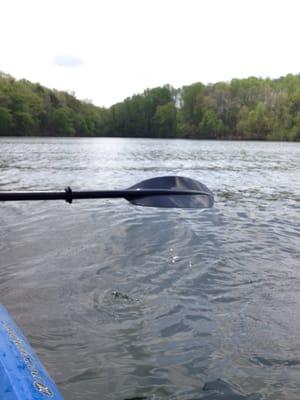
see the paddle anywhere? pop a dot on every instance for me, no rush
(166, 192)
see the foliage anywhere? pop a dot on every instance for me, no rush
(252, 108)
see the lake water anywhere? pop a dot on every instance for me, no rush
(209, 301)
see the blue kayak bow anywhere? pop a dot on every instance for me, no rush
(22, 375)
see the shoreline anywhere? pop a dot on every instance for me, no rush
(150, 138)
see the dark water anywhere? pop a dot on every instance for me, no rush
(123, 302)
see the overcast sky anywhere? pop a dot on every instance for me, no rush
(107, 50)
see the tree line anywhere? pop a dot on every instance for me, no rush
(250, 109)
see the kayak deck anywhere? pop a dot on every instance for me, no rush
(22, 375)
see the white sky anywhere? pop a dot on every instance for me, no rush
(106, 50)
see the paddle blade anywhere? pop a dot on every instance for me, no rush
(203, 199)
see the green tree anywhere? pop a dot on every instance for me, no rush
(24, 123)
(165, 120)
(258, 122)
(192, 103)
(209, 126)
(251, 108)
(60, 122)
(6, 122)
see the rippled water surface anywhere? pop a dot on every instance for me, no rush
(125, 302)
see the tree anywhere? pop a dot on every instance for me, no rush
(258, 122)
(165, 120)
(60, 122)
(191, 99)
(24, 123)
(251, 108)
(6, 122)
(209, 126)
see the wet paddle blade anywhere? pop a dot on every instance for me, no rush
(203, 199)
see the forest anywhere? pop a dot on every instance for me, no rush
(244, 109)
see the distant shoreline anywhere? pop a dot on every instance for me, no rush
(252, 109)
(147, 138)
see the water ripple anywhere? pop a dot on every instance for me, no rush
(125, 302)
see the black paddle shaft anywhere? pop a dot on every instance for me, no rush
(162, 192)
(69, 195)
